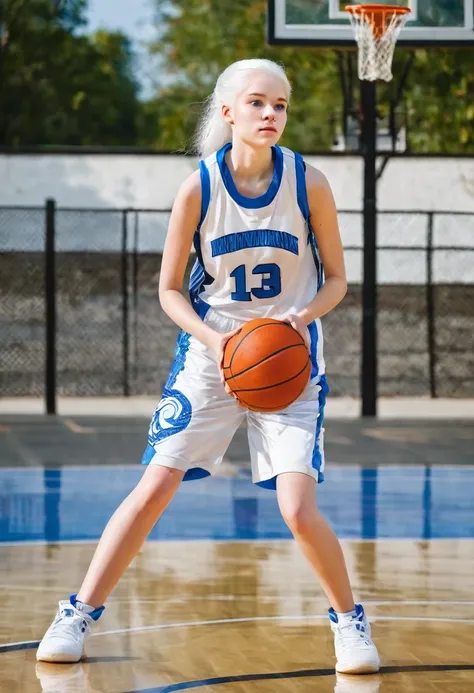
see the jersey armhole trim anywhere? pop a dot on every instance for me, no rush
(301, 192)
(205, 191)
(303, 204)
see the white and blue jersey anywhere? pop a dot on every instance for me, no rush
(256, 257)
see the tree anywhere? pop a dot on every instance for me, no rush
(198, 38)
(440, 101)
(61, 87)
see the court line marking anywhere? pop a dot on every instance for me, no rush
(258, 540)
(467, 468)
(418, 602)
(259, 619)
(77, 428)
(243, 598)
(285, 598)
(26, 644)
(305, 673)
(289, 596)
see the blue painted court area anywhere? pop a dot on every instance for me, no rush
(62, 504)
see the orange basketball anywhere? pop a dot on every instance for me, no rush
(266, 365)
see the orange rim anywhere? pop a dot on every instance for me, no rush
(377, 9)
(378, 16)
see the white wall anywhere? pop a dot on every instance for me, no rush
(92, 180)
(151, 181)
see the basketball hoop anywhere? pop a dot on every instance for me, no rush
(376, 29)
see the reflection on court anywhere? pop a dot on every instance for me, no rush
(242, 612)
(415, 502)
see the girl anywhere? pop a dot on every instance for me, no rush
(264, 225)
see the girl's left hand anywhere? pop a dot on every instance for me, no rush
(299, 325)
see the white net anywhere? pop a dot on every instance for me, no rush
(376, 33)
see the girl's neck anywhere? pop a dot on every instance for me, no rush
(246, 163)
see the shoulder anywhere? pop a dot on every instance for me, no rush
(316, 181)
(197, 184)
(187, 202)
(189, 193)
(318, 189)
(190, 188)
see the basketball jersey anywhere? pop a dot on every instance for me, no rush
(256, 257)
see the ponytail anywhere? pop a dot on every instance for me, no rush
(212, 132)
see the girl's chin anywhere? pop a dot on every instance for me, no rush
(263, 139)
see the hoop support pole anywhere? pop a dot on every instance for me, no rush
(369, 287)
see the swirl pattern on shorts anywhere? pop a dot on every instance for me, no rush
(172, 415)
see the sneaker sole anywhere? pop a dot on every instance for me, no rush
(58, 658)
(366, 668)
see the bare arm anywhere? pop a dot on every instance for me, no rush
(183, 222)
(326, 230)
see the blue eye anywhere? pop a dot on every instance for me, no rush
(280, 107)
(256, 103)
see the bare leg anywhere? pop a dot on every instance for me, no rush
(317, 541)
(127, 530)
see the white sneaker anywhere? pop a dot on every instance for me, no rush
(355, 651)
(65, 639)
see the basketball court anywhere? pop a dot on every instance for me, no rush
(219, 599)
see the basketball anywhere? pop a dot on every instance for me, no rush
(266, 365)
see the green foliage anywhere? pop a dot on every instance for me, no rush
(440, 101)
(60, 87)
(199, 38)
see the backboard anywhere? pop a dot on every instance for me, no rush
(325, 23)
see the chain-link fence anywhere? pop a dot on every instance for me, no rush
(112, 338)
(22, 301)
(425, 306)
(90, 284)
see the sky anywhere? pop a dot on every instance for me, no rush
(134, 18)
(131, 16)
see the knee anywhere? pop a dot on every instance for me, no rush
(157, 486)
(300, 519)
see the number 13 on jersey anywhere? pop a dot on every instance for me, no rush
(270, 285)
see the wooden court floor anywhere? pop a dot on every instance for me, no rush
(244, 616)
(220, 599)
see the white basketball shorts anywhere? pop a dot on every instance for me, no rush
(195, 420)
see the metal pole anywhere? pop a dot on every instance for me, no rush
(430, 308)
(125, 306)
(369, 288)
(50, 306)
(135, 269)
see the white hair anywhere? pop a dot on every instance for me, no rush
(213, 132)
